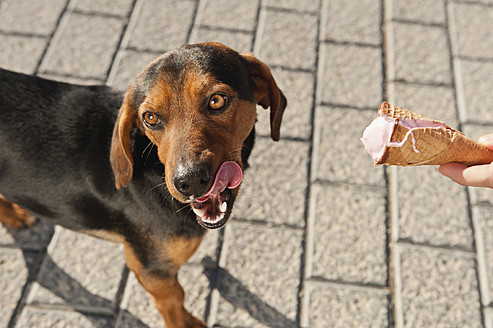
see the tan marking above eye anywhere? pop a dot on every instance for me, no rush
(218, 101)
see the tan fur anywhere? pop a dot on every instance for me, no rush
(13, 215)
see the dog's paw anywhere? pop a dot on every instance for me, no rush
(17, 218)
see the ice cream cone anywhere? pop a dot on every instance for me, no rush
(417, 140)
(386, 109)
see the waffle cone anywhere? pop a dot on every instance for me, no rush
(387, 109)
(430, 146)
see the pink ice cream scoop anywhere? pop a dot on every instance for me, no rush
(377, 136)
(400, 137)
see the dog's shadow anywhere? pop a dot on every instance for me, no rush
(33, 243)
(235, 293)
(45, 273)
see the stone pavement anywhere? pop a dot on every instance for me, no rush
(320, 237)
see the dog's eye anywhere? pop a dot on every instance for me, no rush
(218, 102)
(151, 119)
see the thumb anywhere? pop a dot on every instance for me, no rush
(487, 140)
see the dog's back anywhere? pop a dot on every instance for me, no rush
(53, 131)
(54, 159)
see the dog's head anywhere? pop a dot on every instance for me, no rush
(197, 105)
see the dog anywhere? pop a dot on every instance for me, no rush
(123, 167)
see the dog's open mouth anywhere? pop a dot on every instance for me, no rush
(214, 208)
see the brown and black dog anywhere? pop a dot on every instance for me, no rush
(76, 156)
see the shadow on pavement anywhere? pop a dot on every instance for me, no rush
(233, 291)
(58, 282)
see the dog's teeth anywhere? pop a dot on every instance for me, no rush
(211, 220)
(199, 212)
(223, 207)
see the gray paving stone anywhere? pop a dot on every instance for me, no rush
(339, 153)
(196, 282)
(209, 248)
(228, 14)
(260, 280)
(488, 317)
(431, 64)
(295, 5)
(474, 28)
(341, 306)
(439, 288)
(350, 75)
(87, 281)
(432, 209)
(349, 235)
(436, 102)
(425, 11)
(162, 25)
(85, 47)
(111, 7)
(130, 65)
(21, 54)
(44, 318)
(482, 195)
(71, 79)
(14, 273)
(240, 41)
(138, 309)
(485, 218)
(354, 21)
(275, 186)
(36, 237)
(478, 98)
(33, 17)
(285, 43)
(298, 89)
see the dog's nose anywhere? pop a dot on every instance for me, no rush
(192, 179)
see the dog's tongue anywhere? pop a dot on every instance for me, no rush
(229, 175)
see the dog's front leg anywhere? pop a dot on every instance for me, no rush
(163, 285)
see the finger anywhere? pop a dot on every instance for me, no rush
(487, 140)
(473, 176)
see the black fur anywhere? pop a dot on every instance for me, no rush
(224, 64)
(54, 162)
(81, 156)
(55, 141)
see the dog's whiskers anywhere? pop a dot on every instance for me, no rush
(148, 153)
(157, 186)
(183, 207)
(147, 147)
(238, 150)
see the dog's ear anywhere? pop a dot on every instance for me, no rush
(121, 158)
(267, 93)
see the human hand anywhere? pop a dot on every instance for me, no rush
(473, 176)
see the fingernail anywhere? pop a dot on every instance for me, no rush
(444, 169)
(486, 139)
